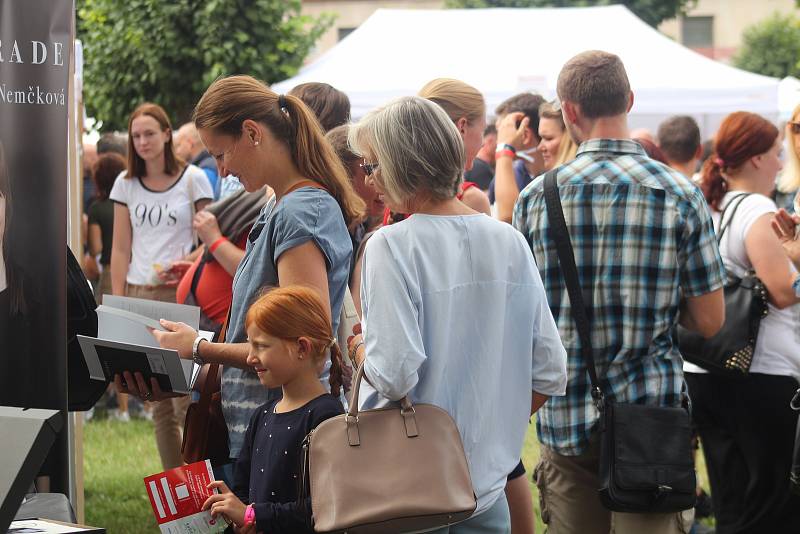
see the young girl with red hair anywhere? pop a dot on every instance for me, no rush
(290, 337)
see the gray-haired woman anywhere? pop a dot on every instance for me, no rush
(454, 312)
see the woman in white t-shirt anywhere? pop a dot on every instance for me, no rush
(152, 228)
(745, 423)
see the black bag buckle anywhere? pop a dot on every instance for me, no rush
(599, 399)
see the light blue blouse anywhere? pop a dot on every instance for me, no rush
(454, 314)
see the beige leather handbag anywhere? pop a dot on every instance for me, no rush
(389, 470)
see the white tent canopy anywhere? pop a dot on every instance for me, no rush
(788, 96)
(506, 51)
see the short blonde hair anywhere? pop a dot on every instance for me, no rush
(417, 147)
(789, 181)
(457, 99)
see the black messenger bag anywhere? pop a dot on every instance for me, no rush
(646, 463)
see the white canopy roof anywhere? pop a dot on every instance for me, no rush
(506, 51)
(788, 96)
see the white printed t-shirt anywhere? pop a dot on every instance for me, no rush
(161, 221)
(777, 349)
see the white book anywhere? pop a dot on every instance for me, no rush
(124, 342)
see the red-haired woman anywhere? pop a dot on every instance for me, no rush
(152, 228)
(745, 423)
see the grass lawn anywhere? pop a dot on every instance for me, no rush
(119, 455)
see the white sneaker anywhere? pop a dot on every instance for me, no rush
(123, 417)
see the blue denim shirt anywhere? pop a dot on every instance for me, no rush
(301, 216)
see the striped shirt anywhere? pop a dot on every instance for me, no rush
(643, 237)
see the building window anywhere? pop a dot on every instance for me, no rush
(344, 32)
(698, 32)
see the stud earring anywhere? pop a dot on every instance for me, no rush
(256, 143)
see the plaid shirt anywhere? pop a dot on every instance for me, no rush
(642, 236)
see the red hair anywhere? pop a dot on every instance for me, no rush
(652, 149)
(741, 136)
(292, 312)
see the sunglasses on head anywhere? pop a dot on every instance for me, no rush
(369, 168)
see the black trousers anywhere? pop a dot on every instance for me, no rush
(747, 430)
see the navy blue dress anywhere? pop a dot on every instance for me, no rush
(267, 472)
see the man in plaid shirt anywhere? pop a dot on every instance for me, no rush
(647, 259)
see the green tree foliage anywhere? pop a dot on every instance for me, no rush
(771, 47)
(652, 12)
(168, 52)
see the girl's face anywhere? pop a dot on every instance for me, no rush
(472, 135)
(148, 137)
(275, 360)
(550, 133)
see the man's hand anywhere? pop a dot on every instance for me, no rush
(225, 503)
(509, 133)
(207, 227)
(179, 336)
(784, 226)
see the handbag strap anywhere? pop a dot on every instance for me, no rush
(351, 417)
(196, 277)
(724, 227)
(190, 190)
(208, 388)
(566, 259)
(305, 183)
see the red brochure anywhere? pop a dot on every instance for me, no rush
(177, 496)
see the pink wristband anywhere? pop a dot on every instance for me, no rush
(249, 515)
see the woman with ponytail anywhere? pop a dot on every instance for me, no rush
(300, 237)
(745, 423)
(290, 337)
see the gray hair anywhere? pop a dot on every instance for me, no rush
(417, 147)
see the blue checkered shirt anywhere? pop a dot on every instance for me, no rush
(642, 236)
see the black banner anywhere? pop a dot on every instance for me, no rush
(36, 43)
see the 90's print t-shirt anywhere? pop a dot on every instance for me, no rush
(161, 221)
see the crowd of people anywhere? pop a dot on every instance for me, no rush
(274, 211)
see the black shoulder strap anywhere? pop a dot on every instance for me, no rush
(196, 277)
(724, 227)
(566, 258)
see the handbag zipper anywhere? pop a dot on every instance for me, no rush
(304, 467)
